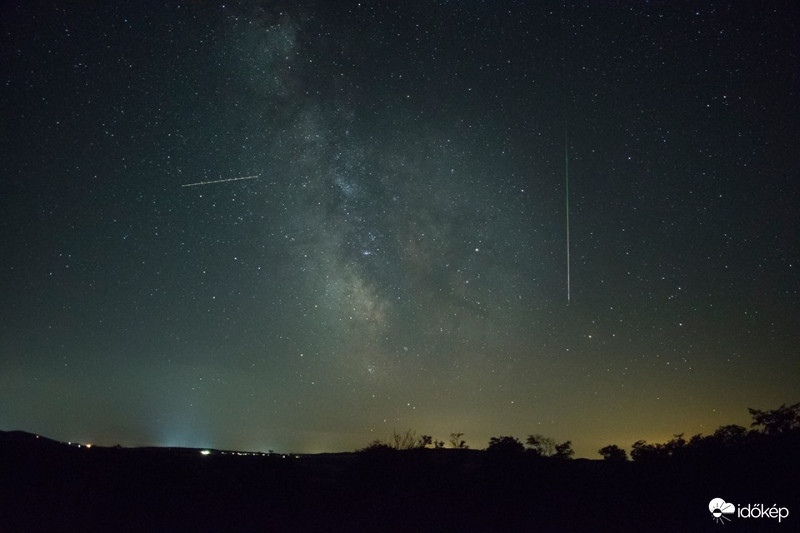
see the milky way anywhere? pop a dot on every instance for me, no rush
(399, 257)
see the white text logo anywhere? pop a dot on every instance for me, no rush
(720, 508)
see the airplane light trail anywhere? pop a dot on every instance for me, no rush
(219, 181)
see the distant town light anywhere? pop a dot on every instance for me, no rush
(205, 452)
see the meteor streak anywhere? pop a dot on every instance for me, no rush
(219, 181)
(566, 172)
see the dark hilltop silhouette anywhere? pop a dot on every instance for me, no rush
(412, 484)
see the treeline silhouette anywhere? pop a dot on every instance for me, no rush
(405, 483)
(771, 431)
(662, 487)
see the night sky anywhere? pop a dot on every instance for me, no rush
(400, 260)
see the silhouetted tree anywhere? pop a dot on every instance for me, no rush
(564, 450)
(697, 440)
(425, 441)
(729, 435)
(541, 445)
(404, 441)
(438, 444)
(673, 447)
(547, 447)
(612, 452)
(504, 445)
(456, 442)
(641, 451)
(784, 419)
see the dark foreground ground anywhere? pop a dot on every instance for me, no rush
(50, 486)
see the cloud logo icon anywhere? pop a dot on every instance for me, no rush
(719, 508)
